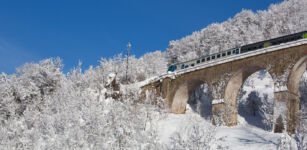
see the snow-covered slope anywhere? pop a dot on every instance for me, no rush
(241, 137)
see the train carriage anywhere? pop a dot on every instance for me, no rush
(237, 51)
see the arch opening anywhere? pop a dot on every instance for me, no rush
(232, 91)
(183, 94)
(200, 101)
(256, 100)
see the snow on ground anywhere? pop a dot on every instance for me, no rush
(241, 137)
(247, 137)
(178, 122)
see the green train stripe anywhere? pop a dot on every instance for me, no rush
(305, 35)
(267, 44)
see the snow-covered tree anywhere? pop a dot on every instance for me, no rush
(197, 137)
(244, 28)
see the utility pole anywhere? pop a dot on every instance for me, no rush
(127, 66)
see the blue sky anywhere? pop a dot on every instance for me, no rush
(88, 30)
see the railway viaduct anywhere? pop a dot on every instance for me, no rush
(286, 64)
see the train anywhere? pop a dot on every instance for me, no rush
(236, 51)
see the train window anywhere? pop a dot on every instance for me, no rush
(203, 60)
(229, 53)
(218, 55)
(192, 65)
(224, 54)
(212, 57)
(169, 68)
(237, 51)
(186, 66)
(208, 58)
(198, 61)
(182, 66)
(172, 68)
(234, 51)
(283, 41)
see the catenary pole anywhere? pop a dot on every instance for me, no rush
(127, 66)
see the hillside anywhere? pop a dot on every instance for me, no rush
(244, 28)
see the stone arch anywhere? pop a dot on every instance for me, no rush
(293, 87)
(182, 94)
(232, 90)
(296, 74)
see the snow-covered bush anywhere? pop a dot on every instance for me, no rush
(150, 64)
(301, 135)
(196, 137)
(30, 85)
(41, 108)
(287, 143)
